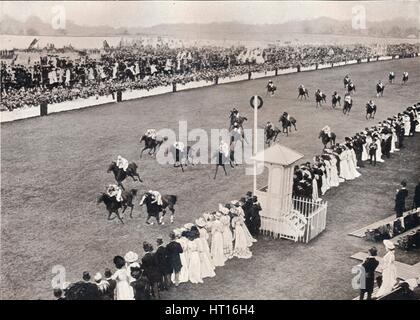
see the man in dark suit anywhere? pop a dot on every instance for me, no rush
(416, 199)
(256, 219)
(163, 265)
(173, 250)
(112, 284)
(369, 265)
(400, 199)
(150, 266)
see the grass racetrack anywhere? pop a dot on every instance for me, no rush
(53, 167)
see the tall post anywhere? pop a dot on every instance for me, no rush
(255, 141)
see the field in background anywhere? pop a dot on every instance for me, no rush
(53, 168)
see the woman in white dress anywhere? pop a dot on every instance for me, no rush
(194, 265)
(379, 150)
(389, 270)
(344, 165)
(207, 266)
(183, 274)
(365, 151)
(335, 180)
(238, 211)
(123, 290)
(241, 249)
(130, 259)
(406, 123)
(217, 252)
(353, 162)
(227, 232)
(394, 141)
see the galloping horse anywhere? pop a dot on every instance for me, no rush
(113, 206)
(152, 144)
(120, 174)
(287, 124)
(319, 97)
(153, 209)
(302, 92)
(236, 119)
(348, 103)
(271, 134)
(326, 139)
(351, 87)
(370, 111)
(334, 100)
(380, 90)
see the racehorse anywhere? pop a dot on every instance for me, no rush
(152, 144)
(271, 134)
(120, 174)
(347, 106)
(326, 139)
(334, 101)
(303, 92)
(346, 81)
(287, 124)
(405, 78)
(236, 119)
(351, 87)
(113, 206)
(271, 90)
(154, 209)
(391, 77)
(379, 90)
(319, 98)
(221, 161)
(181, 158)
(370, 111)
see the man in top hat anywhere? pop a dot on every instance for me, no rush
(164, 266)
(173, 251)
(400, 197)
(368, 281)
(255, 217)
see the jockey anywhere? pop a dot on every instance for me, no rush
(327, 131)
(122, 163)
(268, 125)
(347, 98)
(405, 75)
(335, 95)
(156, 196)
(380, 84)
(318, 92)
(286, 115)
(270, 84)
(391, 75)
(151, 133)
(115, 191)
(224, 148)
(371, 103)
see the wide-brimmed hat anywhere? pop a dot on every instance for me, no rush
(200, 222)
(131, 257)
(188, 226)
(222, 209)
(97, 277)
(218, 214)
(389, 245)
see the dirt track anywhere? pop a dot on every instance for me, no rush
(53, 168)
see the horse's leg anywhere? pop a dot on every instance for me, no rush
(141, 152)
(109, 215)
(182, 168)
(138, 176)
(119, 217)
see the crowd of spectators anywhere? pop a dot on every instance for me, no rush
(55, 79)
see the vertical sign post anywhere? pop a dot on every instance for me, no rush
(256, 103)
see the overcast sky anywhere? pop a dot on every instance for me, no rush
(132, 13)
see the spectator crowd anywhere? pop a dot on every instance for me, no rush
(55, 79)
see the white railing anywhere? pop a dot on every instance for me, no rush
(306, 219)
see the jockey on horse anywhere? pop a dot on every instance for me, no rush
(150, 133)
(122, 164)
(391, 77)
(335, 98)
(346, 81)
(271, 88)
(380, 89)
(405, 77)
(327, 131)
(156, 196)
(179, 149)
(348, 103)
(370, 110)
(115, 191)
(302, 92)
